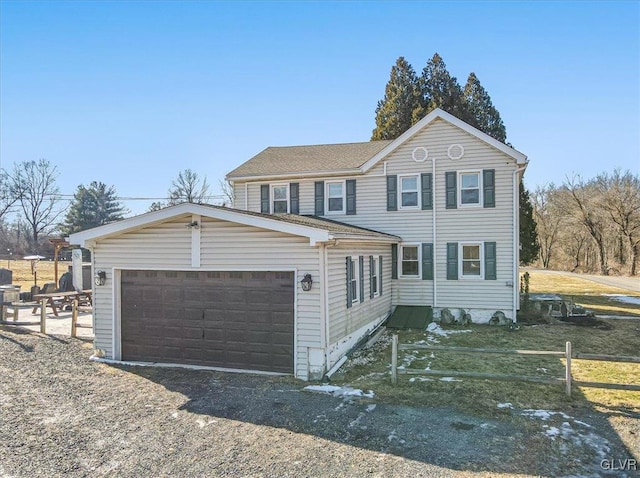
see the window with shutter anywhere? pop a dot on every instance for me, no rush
(392, 193)
(319, 198)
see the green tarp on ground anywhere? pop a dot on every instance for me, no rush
(410, 317)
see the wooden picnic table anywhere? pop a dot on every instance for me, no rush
(57, 300)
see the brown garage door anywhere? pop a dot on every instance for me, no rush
(223, 319)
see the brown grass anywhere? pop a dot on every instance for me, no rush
(22, 272)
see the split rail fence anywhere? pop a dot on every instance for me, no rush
(567, 354)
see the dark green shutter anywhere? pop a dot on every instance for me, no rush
(489, 186)
(451, 190)
(371, 265)
(319, 198)
(380, 275)
(394, 261)
(392, 193)
(427, 261)
(349, 298)
(351, 196)
(452, 260)
(361, 273)
(490, 261)
(427, 191)
(264, 199)
(294, 198)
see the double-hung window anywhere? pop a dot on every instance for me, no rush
(335, 197)
(470, 188)
(471, 260)
(355, 277)
(410, 261)
(280, 198)
(409, 197)
(375, 276)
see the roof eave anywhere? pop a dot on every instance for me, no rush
(283, 176)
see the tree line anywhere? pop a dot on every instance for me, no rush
(590, 225)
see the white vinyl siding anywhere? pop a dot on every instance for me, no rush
(224, 246)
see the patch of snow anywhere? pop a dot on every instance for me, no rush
(420, 379)
(542, 369)
(505, 405)
(201, 423)
(339, 391)
(450, 379)
(174, 415)
(626, 299)
(552, 432)
(432, 356)
(543, 414)
(371, 407)
(435, 329)
(582, 423)
(356, 422)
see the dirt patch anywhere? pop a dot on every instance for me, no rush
(63, 415)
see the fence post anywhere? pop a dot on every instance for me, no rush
(74, 318)
(567, 372)
(394, 360)
(43, 316)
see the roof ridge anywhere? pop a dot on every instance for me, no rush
(331, 144)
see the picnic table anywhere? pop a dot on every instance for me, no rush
(58, 300)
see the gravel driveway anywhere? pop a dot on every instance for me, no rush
(62, 415)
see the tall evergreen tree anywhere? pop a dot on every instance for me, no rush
(479, 110)
(394, 112)
(93, 206)
(529, 245)
(439, 90)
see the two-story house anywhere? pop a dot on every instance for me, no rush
(323, 242)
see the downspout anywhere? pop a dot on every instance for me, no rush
(325, 300)
(433, 217)
(516, 242)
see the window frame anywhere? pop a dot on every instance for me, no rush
(478, 173)
(272, 198)
(461, 246)
(355, 278)
(375, 274)
(343, 184)
(417, 191)
(401, 247)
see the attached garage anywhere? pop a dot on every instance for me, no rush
(229, 319)
(210, 286)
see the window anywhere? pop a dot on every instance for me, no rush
(409, 192)
(375, 274)
(280, 195)
(355, 276)
(410, 261)
(469, 189)
(471, 260)
(335, 197)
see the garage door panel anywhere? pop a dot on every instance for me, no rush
(227, 319)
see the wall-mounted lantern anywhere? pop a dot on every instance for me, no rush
(306, 283)
(101, 278)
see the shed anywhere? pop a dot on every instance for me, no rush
(218, 287)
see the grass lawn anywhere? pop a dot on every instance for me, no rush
(22, 272)
(583, 292)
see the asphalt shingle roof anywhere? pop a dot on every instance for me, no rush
(308, 159)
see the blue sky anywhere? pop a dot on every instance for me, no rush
(130, 93)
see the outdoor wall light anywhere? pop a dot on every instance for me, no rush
(306, 283)
(194, 225)
(101, 278)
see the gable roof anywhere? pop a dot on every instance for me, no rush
(290, 160)
(355, 158)
(312, 227)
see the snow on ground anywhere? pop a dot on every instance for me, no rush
(339, 391)
(420, 379)
(450, 379)
(624, 298)
(437, 330)
(570, 432)
(505, 405)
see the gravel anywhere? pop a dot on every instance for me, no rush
(63, 415)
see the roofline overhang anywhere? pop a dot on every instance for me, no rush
(519, 157)
(286, 176)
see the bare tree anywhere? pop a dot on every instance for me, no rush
(188, 187)
(227, 192)
(34, 183)
(587, 209)
(549, 219)
(8, 196)
(621, 200)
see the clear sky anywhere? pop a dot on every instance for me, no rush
(130, 93)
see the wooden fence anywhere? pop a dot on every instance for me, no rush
(567, 380)
(43, 304)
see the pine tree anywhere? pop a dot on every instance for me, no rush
(480, 112)
(439, 90)
(92, 206)
(394, 113)
(529, 245)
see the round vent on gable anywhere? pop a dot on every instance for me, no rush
(455, 152)
(420, 154)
